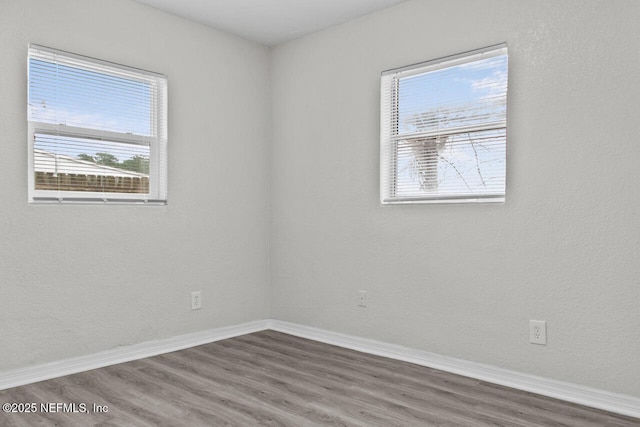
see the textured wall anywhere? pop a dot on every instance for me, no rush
(75, 280)
(464, 280)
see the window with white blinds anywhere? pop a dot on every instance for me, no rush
(443, 129)
(97, 130)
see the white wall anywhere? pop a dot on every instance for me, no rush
(464, 280)
(75, 280)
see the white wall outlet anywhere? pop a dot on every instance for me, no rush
(196, 300)
(538, 332)
(362, 298)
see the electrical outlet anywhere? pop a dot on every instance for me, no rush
(538, 332)
(362, 298)
(196, 300)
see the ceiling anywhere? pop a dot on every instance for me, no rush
(270, 22)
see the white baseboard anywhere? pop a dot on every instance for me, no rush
(587, 396)
(22, 376)
(613, 402)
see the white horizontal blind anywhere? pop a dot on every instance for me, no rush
(97, 130)
(443, 129)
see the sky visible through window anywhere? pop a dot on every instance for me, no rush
(73, 96)
(468, 94)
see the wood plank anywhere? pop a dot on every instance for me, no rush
(270, 378)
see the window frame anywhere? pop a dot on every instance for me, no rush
(157, 141)
(390, 134)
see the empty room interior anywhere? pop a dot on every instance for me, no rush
(320, 212)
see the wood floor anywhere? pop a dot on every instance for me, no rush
(270, 378)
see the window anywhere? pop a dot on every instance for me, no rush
(443, 129)
(97, 130)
